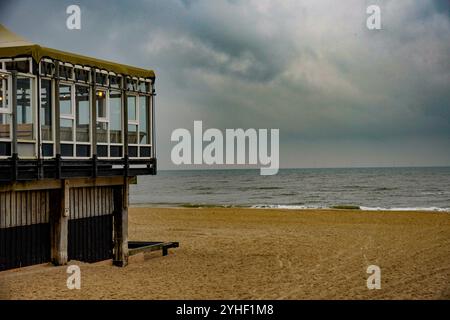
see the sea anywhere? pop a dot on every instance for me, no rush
(424, 189)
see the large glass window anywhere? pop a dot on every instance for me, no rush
(143, 120)
(67, 120)
(132, 114)
(81, 75)
(139, 126)
(47, 68)
(102, 117)
(5, 116)
(25, 121)
(65, 99)
(5, 126)
(46, 110)
(132, 134)
(75, 120)
(101, 78)
(19, 65)
(114, 82)
(66, 128)
(65, 72)
(102, 132)
(109, 123)
(101, 104)
(82, 113)
(142, 86)
(115, 110)
(4, 85)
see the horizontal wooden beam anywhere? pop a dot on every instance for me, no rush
(56, 184)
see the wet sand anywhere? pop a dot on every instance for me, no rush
(262, 254)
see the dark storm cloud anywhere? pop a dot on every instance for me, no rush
(310, 68)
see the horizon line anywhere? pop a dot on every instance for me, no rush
(308, 168)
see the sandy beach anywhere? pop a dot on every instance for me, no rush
(262, 254)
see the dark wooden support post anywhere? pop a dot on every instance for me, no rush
(121, 224)
(94, 112)
(15, 167)
(59, 223)
(58, 169)
(14, 111)
(126, 166)
(125, 128)
(94, 124)
(94, 166)
(15, 152)
(153, 129)
(40, 169)
(148, 106)
(57, 112)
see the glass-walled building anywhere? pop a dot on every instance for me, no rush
(67, 115)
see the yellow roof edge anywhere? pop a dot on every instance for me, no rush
(38, 52)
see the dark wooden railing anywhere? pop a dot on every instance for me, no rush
(15, 169)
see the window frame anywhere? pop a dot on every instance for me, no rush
(138, 145)
(101, 85)
(139, 87)
(30, 64)
(79, 67)
(89, 143)
(7, 110)
(33, 104)
(73, 118)
(53, 108)
(68, 65)
(103, 119)
(134, 122)
(107, 120)
(122, 133)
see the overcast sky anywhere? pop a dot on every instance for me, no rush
(340, 94)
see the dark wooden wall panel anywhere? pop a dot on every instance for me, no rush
(90, 202)
(91, 224)
(24, 228)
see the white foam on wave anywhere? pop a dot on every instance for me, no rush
(305, 207)
(436, 209)
(282, 206)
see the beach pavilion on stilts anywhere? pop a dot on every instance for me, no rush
(74, 132)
